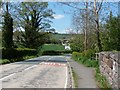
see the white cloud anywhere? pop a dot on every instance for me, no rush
(58, 16)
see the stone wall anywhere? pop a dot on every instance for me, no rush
(110, 67)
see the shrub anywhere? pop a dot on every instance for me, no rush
(76, 43)
(4, 61)
(89, 53)
(76, 55)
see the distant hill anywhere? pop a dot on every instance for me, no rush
(61, 36)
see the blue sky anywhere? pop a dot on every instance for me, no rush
(62, 20)
(63, 16)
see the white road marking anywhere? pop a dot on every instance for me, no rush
(30, 67)
(66, 76)
(66, 80)
(72, 84)
(23, 70)
(16, 73)
(7, 76)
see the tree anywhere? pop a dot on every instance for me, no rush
(33, 17)
(94, 8)
(76, 43)
(7, 33)
(111, 39)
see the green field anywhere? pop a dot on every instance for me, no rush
(50, 47)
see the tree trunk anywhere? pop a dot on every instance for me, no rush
(86, 26)
(97, 33)
(97, 26)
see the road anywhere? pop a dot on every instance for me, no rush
(40, 72)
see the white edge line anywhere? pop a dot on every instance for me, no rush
(66, 79)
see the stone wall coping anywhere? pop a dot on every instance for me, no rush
(112, 55)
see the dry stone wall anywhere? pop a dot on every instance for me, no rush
(110, 67)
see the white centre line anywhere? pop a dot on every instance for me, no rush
(7, 76)
(16, 73)
(30, 67)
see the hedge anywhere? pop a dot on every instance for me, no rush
(57, 52)
(17, 53)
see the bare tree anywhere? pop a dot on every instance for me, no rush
(94, 8)
(97, 8)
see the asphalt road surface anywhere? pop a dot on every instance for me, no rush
(41, 72)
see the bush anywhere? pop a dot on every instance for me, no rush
(76, 43)
(17, 53)
(88, 53)
(76, 55)
(4, 61)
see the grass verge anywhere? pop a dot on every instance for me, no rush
(75, 78)
(100, 79)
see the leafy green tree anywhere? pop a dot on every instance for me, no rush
(7, 33)
(34, 17)
(111, 39)
(76, 43)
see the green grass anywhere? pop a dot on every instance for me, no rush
(4, 61)
(75, 78)
(101, 80)
(50, 47)
(87, 62)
